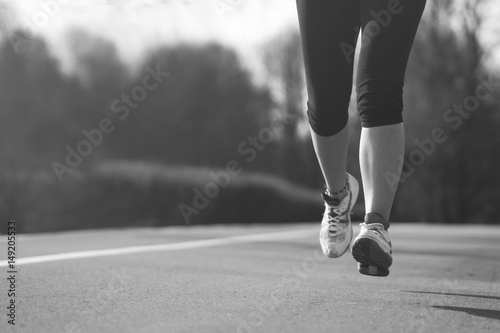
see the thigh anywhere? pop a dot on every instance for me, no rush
(329, 30)
(388, 32)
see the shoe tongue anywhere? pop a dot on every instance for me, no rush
(329, 200)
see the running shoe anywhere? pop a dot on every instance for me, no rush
(372, 249)
(335, 235)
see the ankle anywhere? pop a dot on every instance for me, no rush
(338, 194)
(374, 217)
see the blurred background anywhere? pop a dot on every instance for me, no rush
(173, 112)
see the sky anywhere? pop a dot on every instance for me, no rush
(136, 26)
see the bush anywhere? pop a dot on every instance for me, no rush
(125, 194)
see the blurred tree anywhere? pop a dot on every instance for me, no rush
(200, 114)
(42, 110)
(282, 59)
(284, 77)
(31, 105)
(96, 63)
(457, 180)
(101, 77)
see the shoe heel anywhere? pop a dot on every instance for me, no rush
(373, 270)
(368, 253)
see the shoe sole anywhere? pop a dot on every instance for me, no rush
(373, 260)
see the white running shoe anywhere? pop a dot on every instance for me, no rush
(372, 249)
(335, 235)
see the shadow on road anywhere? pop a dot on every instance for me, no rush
(485, 256)
(492, 314)
(451, 294)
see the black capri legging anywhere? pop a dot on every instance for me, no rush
(329, 30)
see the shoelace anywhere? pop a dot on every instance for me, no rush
(333, 221)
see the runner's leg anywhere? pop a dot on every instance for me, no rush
(388, 31)
(329, 31)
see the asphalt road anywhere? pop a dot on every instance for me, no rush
(224, 279)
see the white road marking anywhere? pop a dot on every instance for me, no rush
(275, 236)
(42, 236)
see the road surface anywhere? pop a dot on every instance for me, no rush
(256, 278)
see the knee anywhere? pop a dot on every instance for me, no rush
(329, 116)
(380, 103)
